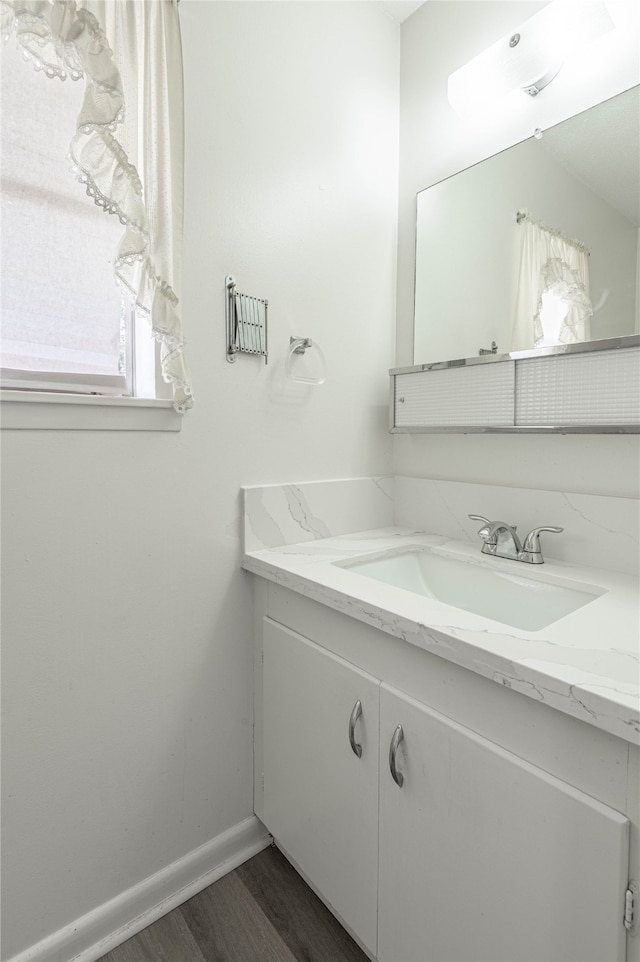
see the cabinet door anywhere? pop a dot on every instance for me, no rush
(485, 857)
(320, 798)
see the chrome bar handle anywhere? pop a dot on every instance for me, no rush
(397, 776)
(355, 715)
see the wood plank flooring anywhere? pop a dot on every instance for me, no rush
(261, 912)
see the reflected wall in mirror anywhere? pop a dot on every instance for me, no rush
(578, 190)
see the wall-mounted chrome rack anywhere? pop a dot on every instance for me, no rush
(246, 318)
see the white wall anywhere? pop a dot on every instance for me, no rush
(127, 651)
(434, 143)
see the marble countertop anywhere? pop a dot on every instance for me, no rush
(586, 664)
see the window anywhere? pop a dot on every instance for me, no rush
(66, 324)
(552, 314)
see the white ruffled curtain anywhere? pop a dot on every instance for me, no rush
(128, 145)
(553, 267)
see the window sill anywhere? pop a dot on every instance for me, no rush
(75, 412)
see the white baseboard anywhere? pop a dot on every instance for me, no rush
(94, 934)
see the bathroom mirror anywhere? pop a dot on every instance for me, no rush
(578, 185)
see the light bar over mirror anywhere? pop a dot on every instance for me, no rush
(529, 57)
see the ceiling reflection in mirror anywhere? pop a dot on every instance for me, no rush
(536, 246)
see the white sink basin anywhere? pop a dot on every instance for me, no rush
(505, 591)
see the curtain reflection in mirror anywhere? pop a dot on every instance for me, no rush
(553, 306)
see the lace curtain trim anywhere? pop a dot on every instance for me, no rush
(64, 40)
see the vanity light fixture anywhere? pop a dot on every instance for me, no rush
(530, 56)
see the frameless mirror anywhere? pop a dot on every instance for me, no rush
(579, 184)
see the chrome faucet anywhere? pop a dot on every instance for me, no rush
(501, 541)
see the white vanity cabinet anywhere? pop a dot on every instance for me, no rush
(487, 858)
(320, 796)
(482, 853)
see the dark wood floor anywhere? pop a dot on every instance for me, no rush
(261, 912)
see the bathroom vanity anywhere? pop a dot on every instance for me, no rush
(452, 787)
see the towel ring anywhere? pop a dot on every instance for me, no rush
(299, 345)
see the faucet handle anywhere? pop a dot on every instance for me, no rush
(485, 530)
(478, 517)
(486, 524)
(532, 541)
